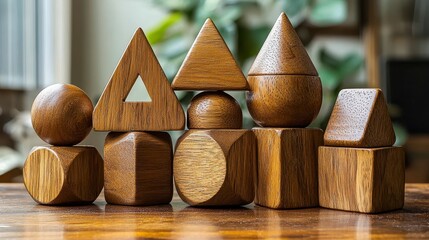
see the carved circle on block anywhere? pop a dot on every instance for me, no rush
(199, 168)
(284, 100)
(43, 175)
(62, 115)
(214, 110)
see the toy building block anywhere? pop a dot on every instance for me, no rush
(138, 168)
(285, 90)
(113, 113)
(216, 167)
(62, 115)
(287, 167)
(360, 119)
(214, 110)
(209, 64)
(63, 175)
(368, 180)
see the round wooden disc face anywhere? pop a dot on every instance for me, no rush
(43, 175)
(199, 168)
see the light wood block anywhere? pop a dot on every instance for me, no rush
(164, 112)
(360, 119)
(284, 100)
(216, 167)
(214, 110)
(368, 180)
(283, 53)
(138, 168)
(63, 175)
(287, 167)
(209, 64)
(62, 115)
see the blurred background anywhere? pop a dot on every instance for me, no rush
(353, 43)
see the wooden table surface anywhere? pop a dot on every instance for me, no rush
(21, 217)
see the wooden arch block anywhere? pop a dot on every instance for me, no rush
(215, 167)
(360, 119)
(63, 175)
(209, 64)
(164, 112)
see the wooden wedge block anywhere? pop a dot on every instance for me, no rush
(63, 175)
(283, 53)
(287, 167)
(360, 119)
(138, 168)
(164, 112)
(368, 180)
(209, 64)
(216, 167)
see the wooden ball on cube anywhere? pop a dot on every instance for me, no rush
(63, 175)
(62, 115)
(138, 168)
(216, 167)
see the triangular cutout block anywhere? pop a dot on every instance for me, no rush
(360, 118)
(164, 112)
(209, 64)
(138, 92)
(283, 53)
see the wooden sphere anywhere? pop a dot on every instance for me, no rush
(62, 115)
(214, 110)
(284, 100)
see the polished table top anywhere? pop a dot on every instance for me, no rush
(20, 216)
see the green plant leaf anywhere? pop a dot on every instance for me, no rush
(157, 34)
(176, 5)
(328, 12)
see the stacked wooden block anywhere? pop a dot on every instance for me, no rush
(359, 170)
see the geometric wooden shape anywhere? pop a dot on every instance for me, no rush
(138, 168)
(63, 175)
(284, 100)
(360, 119)
(216, 167)
(287, 167)
(62, 115)
(368, 180)
(214, 110)
(164, 112)
(209, 64)
(283, 53)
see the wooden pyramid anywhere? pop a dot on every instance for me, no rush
(164, 112)
(283, 53)
(209, 64)
(360, 119)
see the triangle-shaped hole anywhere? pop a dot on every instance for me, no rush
(138, 92)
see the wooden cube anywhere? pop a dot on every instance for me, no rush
(287, 167)
(216, 167)
(63, 175)
(368, 180)
(138, 168)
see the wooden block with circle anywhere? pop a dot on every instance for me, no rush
(138, 168)
(63, 175)
(164, 112)
(216, 167)
(287, 167)
(368, 180)
(360, 119)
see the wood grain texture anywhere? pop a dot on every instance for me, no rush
(287, 167)
(368, 180)
(283, 53)
(216, 167)
(138, 168)
(284, 100)
(63, 175)
(209, 64)
(62, 115)
(214, 110)
(360, 119)
(164, 112)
